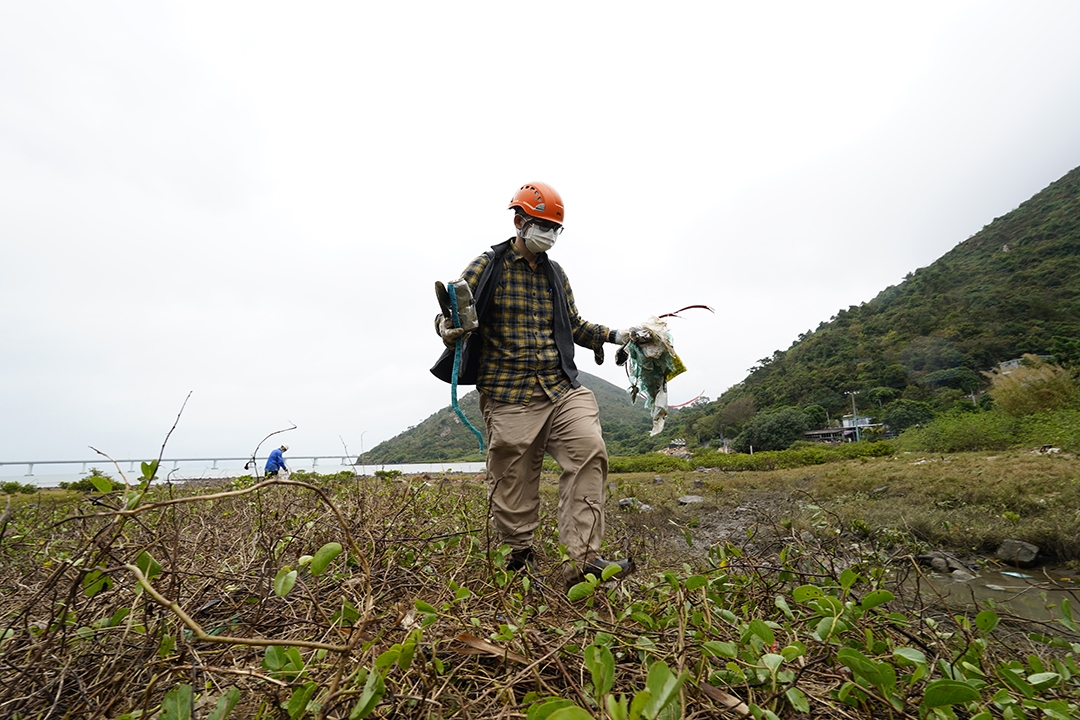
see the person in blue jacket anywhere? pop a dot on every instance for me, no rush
(276, 462)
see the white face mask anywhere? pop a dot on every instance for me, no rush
(537, 239)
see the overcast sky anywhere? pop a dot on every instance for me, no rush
(251, 201)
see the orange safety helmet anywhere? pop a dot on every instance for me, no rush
(539, 200)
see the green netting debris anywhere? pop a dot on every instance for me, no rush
(652, 362)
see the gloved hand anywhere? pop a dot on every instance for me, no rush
(635, 334)
(623, 338)
(447, 331)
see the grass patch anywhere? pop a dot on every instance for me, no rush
(338, 596)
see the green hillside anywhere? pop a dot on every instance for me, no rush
(1013, 288)
(442, 436)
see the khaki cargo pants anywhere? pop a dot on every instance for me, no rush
(568, 430)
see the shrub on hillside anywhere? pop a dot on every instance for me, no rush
(772, 431)
(964, 432)
(901, 414)
(848, 451)
(1059, 428)
(816, 415)
(1032, 387)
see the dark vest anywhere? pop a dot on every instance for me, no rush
(484, 301)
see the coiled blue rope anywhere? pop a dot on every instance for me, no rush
(457, 366)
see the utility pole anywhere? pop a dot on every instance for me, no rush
(855, 415)
(363, 469)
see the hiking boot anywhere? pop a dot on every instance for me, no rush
(521, 560)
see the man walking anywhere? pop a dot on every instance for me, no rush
(521, 358)
(276, 462)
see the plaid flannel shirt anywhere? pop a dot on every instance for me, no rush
(518, 333)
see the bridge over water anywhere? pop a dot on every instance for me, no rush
(52, 472)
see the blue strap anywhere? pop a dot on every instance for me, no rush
(457, 366)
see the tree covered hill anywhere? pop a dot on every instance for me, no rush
(443, 436)
(1012, 288)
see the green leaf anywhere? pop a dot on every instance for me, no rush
(1014, 680)
(860, 665)
(772, 661)
(887, 678)
(828, 605)
(940, 693)
(284, 581)
(637, 705)
(1066, 618)
(274, 658)
(94, 582)
(793, 651)
(347, 615)
(118, 617)
(295, 662)
(781, 603)
(424, 607)
(803, 593)
(601, 664)
(388, 658)
(101, 484)
(827, 627)
(149, 470)
(1059, 710)
(1044, 680)
(798, 700)
(763, 631)
(610, 571)
(876, 597)
(324, 557)
(408, 649)
(986, 621)
(911, 655)
(148, 566)
(719, 648)
(542, 709)
(166, 646)
(177, 704)
(298, 702)
(225, 704)
(664, 688)
(374, 689)
(847, 579)
(582, 590)
(695, 582)
(617, 709)
(572, 712)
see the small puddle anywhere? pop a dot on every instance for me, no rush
(1024, 593)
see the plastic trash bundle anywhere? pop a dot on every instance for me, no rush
(652, 362)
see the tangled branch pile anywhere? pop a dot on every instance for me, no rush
(340, 596)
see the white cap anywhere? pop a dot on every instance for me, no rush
(284, 448)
